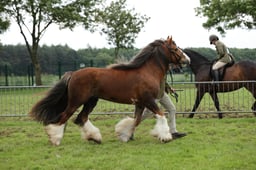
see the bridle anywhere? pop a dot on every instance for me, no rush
(173, 51)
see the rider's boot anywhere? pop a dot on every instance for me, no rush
(216, 78)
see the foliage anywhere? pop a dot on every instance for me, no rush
(239, 54)
(211, 144)
(121, 25)
(35, 16)
(4, 20)
(16, 58)
(229, 14)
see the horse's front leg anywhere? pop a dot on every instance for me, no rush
(161, 129)
(216, 103)
(126, 127)
(199, 96)
(254, 104)
(254, 108)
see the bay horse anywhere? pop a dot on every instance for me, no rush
(136, 82)
(244, 70)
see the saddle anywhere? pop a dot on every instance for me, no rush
(222, 70)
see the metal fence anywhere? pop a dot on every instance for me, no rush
(18, 100)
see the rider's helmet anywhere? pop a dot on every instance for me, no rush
(213, 37)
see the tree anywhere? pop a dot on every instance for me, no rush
(4, 21)
(35, 16)
(121, 25)
(228, 14)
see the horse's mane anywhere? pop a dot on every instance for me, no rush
(151, 50)
(196, 57)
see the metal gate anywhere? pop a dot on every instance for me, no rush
(18, 100)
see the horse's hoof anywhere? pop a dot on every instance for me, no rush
(94, 140)
(220, 116)
(55, 133)
(165, 139)
(54, 142)
(191, 116)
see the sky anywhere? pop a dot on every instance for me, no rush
(174, 18)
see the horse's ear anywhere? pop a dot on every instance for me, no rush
(169, 39)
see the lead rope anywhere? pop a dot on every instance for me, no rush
(170, 72)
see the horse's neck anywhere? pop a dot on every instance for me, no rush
(156, 70)
(196, 68)
(202, 73)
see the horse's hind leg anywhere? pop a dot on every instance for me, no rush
(55, 132)
(216, 103)
(88, 130)
(251, 87)
(126, 127)
(199, 96)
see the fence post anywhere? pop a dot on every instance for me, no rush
(59, 69)
(91, 63)
(75, 65)
(6, 75)
(29, 83)
(191, 76)
(32, 74)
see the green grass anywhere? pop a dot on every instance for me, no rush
(211, 144)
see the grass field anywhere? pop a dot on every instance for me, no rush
(211, 144)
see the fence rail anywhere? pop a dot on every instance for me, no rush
(18, 100)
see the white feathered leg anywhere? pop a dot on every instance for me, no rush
(90, 132)
(161, 129)
(125, 128)
(55, 133)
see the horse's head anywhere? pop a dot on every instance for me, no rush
(177, 56)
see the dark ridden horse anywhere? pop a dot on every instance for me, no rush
(136, 82)
(240, 71)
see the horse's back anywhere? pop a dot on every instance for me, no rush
(242, 70)
(112, 84)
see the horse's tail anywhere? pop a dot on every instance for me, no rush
(48, 109)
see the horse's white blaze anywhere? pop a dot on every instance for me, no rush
(90, 132)
(161, 129)
(55, 133)
(187, 57)
(124, 129)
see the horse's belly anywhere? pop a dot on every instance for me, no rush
(119, 100)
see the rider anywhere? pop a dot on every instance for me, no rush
(223, 57)
(164, 99)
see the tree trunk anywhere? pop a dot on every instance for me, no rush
(37, 67)
(38, 74)
(116, 53)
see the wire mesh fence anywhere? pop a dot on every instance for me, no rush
(18, 100)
